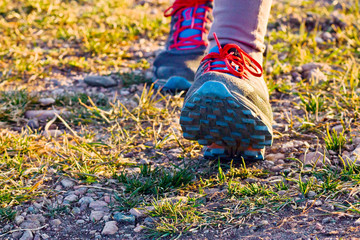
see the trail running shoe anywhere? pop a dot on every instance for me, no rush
(227, 108)
(174, 68)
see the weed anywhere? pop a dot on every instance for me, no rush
(250, 189)
(334, 141)
(7, 214)
(156, 181)
(304, 186)
(128, 202)
(55, 211)
(312, 103)
(281, 186)
(174, 219)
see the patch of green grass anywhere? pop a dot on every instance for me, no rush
(56, 211)
(128, 202)
(106, 136)
(13, 105)
(305, 186)
(250, 189)
(89, 36)
(7, 214)
(155, 181)
(313, 103)
(174, 219)
(335, 140)
(282, 186)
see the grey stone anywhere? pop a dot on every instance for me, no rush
(276, 168)
(80, 191)
(282, 192)
(144, 161)
(31, 209)
(332, 152)
(41, 115)
(76, 210)
(46, 101)
(139, 228)
(267, 162)
(100, 81)
(71, 198)
(96, 215)
(45, 236)
(122, 218)
(327, 36)
(328, 220)
(276, 156)
(313, 65)
(19, 219)
(55, 222)
(311, 194)
(106, 218)
(27, 235)
(86, 200)
(7, 227)
(30, 224)
(319, 40)
(98, 205)
(67, 183)
(317, 75)
(338, 128)
(149, 221)
(357, 222)
(36, 217)
(37, 237)
(80, 221)
(16, 235)
(110, 228)
(354, 157)
(264, 222)
(311, 158)
(139, 213)
(33, 124)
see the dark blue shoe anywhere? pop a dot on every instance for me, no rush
(174, 68)
(227, 108)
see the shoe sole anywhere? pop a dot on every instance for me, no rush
(213, 115)
(173, 84)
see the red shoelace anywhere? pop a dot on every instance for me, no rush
(236, 60)
(181, 43)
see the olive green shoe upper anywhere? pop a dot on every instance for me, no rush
(227, 108)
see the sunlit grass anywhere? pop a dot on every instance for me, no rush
(108, 137)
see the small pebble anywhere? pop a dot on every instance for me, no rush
(19, 219)
(28, 235)
(110, 228)
(100, 81)
(55, 222)
(67, 183)
(139, 228)
(71, 198)
(98, 205)
(46, 101)
(80, 221)
(122, 218)
(96, 215)
(137, 212)
(328, 220)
